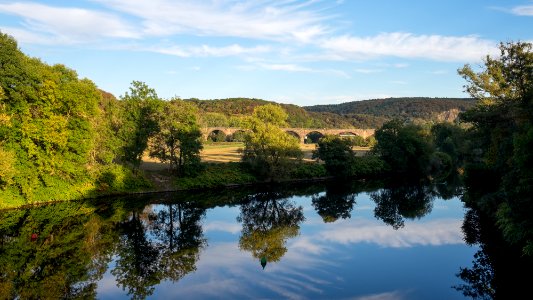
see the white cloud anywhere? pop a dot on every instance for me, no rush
(440, 232)
(523, 10)
(66, 25)
(408, 45)
(298, 68)
(26, 36)
(229, 227)
(394, 295)
(209, 51)
(285, 67)
(368, 71)
(281, 21)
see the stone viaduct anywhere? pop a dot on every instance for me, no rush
(300, 133)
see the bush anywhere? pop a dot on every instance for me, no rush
(309, 170)
(217, 175)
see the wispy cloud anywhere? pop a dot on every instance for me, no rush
(408, 45)
(66, 25)
(281, 20)
(441, 232)
(368, 71)
(523, 10)
(229, 227)
(292, 68)
(285, 67)
(394, 295)
(209, 51)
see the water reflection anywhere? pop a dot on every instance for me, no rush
(268, 221)
(498, 271)
(52, 252)
(156, 246)
(337, 202)
(144, 244)
(397, 202)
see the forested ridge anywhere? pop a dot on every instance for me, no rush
(405, 107)
(358, 114)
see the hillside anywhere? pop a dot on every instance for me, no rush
(356, 114)
(225, 112)
(413, 108)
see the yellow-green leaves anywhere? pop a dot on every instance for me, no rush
(7, 167)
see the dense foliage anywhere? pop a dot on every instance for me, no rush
(340, 159)
(62, 138)
(410, 108)
(500, 168)
(48, 127)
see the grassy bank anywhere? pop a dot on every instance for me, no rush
(220, 168)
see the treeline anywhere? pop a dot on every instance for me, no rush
(408, 107)
(230, 112)
(358, 114)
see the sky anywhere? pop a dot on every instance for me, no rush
(303, 52)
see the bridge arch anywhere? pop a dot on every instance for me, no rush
(313, 137)
(217, 135)
(294, 134)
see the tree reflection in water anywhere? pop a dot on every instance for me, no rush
(337, 202)
(394, 203)
(66, 258)
(499, 270)
(268, 221)
(176, 238)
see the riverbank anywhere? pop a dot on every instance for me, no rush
(155, 177)
(220, 169)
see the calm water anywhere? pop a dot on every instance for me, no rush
(322, 241)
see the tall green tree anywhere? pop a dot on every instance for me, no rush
(268, 149)
(178, 139)
(140, 111)
(337, 154)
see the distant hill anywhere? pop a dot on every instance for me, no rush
(414, 108)
(357, 114)
(298, 116)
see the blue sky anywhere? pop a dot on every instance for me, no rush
(303, 52)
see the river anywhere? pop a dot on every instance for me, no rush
(310, 241)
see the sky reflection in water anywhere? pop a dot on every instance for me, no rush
(359, 257)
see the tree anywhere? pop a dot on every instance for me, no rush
(337, 154)
(178, 138)
(268, 149)
(140, 111)
(406, 148)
